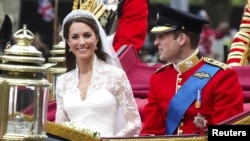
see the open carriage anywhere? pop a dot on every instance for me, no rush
(134, 67)
(139, 81)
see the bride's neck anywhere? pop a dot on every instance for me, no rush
(85, 66)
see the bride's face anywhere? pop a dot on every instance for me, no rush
(82, 40)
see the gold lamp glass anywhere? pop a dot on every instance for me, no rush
(23, 69)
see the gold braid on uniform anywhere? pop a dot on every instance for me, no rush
(216, 63)
(240, 49)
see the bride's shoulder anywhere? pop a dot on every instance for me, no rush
(115, 69)
(66, 76)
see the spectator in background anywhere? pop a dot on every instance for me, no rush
(207, 36)
(223, 38)
(214, 39)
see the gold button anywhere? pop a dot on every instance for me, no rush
(180, 132)
(179, 80)
(178, 87)
(181, 124)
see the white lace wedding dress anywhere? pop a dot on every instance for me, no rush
(109, 107)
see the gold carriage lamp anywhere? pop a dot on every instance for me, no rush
(22, 67)
(58, 58)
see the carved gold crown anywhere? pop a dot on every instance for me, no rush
(88, 5)
(104, 12)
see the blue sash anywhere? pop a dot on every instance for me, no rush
(186, 95)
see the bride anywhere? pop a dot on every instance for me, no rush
(94, 93)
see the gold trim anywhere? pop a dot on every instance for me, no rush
(100, 11)
(22, 59)
(88, 5)
(17, 137)
(24, 53)
(66, 132)
(56, 59)
(159, 138)
(188, 63)
(97, 12)
(59, 46)
(57, 51)
(4, 91)
(57, 70)
(69, 133)
(22, 68)
(216, 63)
(23, 50)
(24, 37)
(76, 135)
(242, 119)
(161, 29)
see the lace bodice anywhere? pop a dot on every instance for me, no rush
(109, 107)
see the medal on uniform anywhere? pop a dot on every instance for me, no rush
(198, 99)
(200, 121)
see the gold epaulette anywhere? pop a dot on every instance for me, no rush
(216, 63)
(163, 66)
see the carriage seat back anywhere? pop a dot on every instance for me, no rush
(244, 78)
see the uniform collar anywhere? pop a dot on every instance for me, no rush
(188, 63)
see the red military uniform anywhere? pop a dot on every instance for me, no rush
(221, 97)
(132, 24)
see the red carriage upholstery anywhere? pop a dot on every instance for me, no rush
(138, 74)
(244, 78)
(50, 113)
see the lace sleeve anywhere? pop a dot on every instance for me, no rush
(61, 115)
(128, 107)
